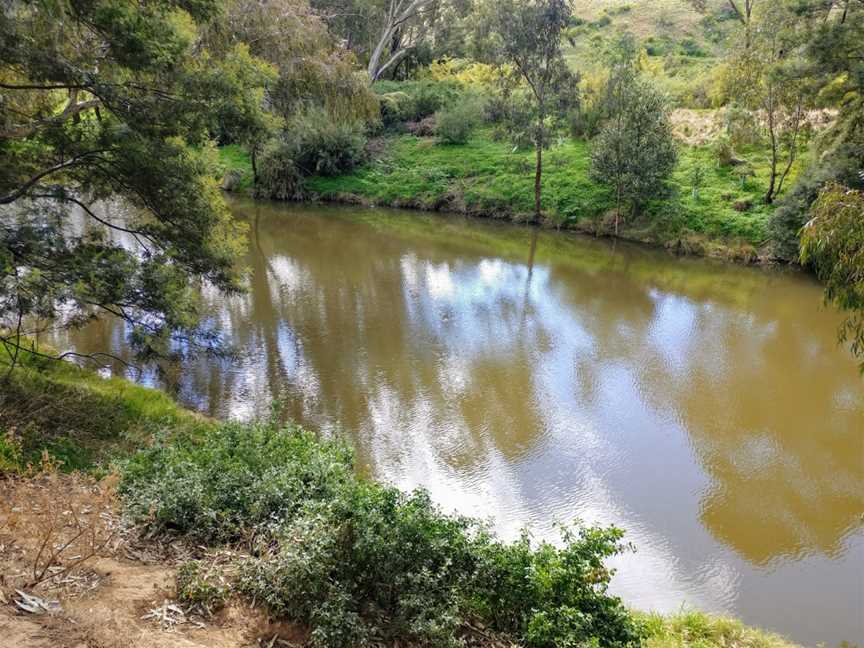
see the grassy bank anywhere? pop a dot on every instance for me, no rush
(725, 217)
(79, 418)
(348, 561)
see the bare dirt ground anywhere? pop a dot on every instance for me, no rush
(99, 586)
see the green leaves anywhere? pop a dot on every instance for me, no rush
(112, 99)
(359, 562)
(634, 153)
(832, 243)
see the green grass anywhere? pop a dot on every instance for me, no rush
(234, 158)
(487, 177)
(77, 417)
(693, 629)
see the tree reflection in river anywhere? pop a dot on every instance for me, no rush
(535, 377)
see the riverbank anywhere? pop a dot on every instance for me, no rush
(202, 496)
(723, 217)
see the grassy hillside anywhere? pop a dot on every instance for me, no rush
(683, 47)
(488, 178)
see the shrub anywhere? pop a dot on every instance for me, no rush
(723, 152)
(278, 176)
(242, 479)
(324, 147)
(202, 586)
(312, 144)
(634, 154)
(361, 563)
(742, 126)
(413, 100)
(455, 124)
(396, 107)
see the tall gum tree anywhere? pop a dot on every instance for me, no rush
(525, 37)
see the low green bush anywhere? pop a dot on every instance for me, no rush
(404, 101)
(324, 147)
(202, 586)
(456, 123)
(359, 562)
(244, 479)
(312, 144)
(278, 175)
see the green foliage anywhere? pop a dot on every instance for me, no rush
(455, 124)
(832, 243)
(723, 151)
(356, 560)
(634, 153)
(312, 144)
(241, 481)
(77, 417)
(112, 99)
(528, 35)
(413, 100)
(202, 585)
(323, 146)
(278, 175)
(11, 456)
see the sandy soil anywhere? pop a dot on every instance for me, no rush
(106, 601)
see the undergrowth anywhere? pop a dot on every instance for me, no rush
(78, 418)
(359, 562)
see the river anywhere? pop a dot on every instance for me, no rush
(535, 377)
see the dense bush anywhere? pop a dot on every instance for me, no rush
(838, 162)
(359, 562)
(312, 144)
(413, 100)
(243, 480)
(456, 123)
(324, 147)
(278, 176)
(634, 154)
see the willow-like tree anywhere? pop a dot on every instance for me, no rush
(832, 243)
(107, 99)
(526, 40)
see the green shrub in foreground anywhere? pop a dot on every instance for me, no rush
(240, 480)
(359, 562)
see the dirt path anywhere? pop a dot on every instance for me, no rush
(107, 601)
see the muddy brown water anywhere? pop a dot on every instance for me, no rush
(535, 377)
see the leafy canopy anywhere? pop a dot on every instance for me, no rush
(108, 99)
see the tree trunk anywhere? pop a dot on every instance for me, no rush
(538, 181)
(253, 157)
(769, 195)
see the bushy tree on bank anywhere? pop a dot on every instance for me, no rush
(526, 40)
(634, 153)
(112, 99)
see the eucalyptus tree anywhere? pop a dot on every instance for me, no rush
(634, 153)
(106, 99)
(525, 39)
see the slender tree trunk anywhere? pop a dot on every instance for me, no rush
(538, 181)
(769, 196)
(253, 157)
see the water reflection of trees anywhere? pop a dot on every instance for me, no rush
(417, 340)
(774, 413)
